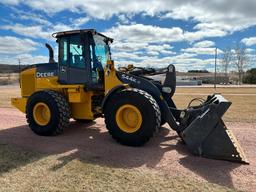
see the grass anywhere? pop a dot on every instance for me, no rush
(8, 78)
(243, 108)
(22, 170)
(8, 92)
(223, 90)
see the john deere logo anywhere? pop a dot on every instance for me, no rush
(47, 74)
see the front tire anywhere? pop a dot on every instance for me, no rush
(47, 113)
(132, 116)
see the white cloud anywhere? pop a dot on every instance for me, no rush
(132, 47)
(142, 45)
(201, 34)
(249, 50)
(59, 27)
(202, 50)
(227, 16)
(249, 41)
(13, 45)
(29, 31)
(80, 21)
(13, 48)
(128, 56)
(34, 18)
(204, 44)
(32, 59)
(160, 48)
(123, 19)
(182, 62)
(145, 33)
(37, 31)
(142, 42)
(25, 59)
(128, 46)
(214, 18)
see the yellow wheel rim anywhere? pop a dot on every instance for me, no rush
(128, 118)
(41, 114)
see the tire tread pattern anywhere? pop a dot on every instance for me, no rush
(64, 112)
(157, 117)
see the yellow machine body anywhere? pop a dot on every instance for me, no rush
(80, 100)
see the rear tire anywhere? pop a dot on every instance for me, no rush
(149, 112)
(58, 108)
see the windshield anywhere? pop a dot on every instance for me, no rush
(101, 51)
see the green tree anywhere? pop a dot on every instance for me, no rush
(250, 76)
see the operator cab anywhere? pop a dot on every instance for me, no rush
(83, 55)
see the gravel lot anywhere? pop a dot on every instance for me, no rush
(164, 153)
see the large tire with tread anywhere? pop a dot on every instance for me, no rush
(59, 112)
(148, 108)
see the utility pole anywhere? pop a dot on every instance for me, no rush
(215, 72)
(19, 72)
(19, 65)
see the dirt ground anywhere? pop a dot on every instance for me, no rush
(164, 153)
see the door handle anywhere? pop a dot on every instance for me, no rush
(63, 69)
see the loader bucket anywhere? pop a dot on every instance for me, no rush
(206, 134)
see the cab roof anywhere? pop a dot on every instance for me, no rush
(79, 31)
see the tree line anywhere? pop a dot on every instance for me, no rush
(238, 59)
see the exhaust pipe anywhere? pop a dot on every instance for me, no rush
(51, 55)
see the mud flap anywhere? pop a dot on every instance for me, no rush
(208, 136)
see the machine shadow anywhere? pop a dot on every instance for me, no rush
(87, 142)
(214, 171)
(90, 143)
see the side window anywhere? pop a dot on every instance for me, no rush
(64, 51)
(76, 55)
(95, 76)
(100, 52)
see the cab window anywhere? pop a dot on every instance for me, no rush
(64, 51)
(76, 52)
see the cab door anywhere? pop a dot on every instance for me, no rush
(72, 60)
(63, 60)
(78, 73)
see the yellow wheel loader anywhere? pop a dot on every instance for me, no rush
(85, 85)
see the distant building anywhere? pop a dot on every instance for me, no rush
(181, 81)
(193, 79)
(198, 71)
(205, 78)
(211, 80)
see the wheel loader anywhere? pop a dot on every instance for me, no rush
(84, 85)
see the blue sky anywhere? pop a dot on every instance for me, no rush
(146, 33)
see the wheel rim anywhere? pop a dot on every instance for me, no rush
(128, 118)
(41, 114)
